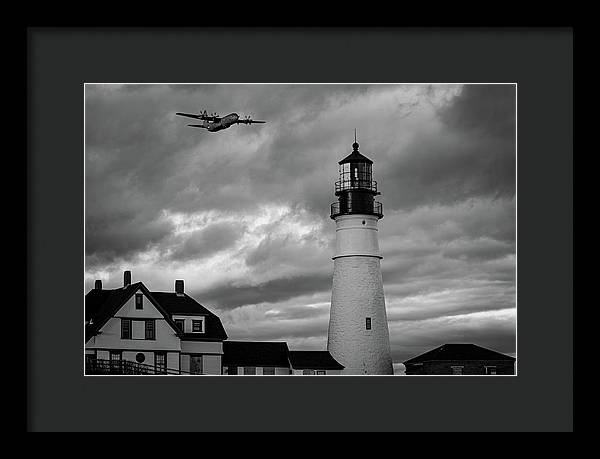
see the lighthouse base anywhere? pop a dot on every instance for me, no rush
(358, 334)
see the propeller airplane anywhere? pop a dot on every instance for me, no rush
(214, 123)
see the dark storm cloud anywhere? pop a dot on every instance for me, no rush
(484, 109)
(230, 296)
(205, 242)
(135, 145)
(296, 312)
(122, 236)
(479, 249)
(470, 154)
(272, 328)
(133, 141)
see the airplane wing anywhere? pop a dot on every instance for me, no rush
(249, 121)
(199, 117)
(190, 115)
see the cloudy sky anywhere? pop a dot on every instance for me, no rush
(242, 215)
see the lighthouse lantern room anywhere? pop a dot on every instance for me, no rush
(356, 188)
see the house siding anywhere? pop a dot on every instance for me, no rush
(327, 372)
(259, 370)
(211, 364)
(211, 352)
(110, 338)
(470, 367)
(202, 347)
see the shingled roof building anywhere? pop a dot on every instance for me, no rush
(130, 330)
(255, 358)
(314, 363)
(461, 359)
(274, 358)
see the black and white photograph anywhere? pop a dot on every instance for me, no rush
(294, 229)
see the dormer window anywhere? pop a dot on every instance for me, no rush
(139, 301)
(198, 326)
(180, 324)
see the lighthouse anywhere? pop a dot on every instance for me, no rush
(358, 335)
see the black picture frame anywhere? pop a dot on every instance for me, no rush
(60, 60)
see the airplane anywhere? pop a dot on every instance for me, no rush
(214, 123)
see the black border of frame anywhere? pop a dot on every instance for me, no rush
(540, 398)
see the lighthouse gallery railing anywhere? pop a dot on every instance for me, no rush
(358, 207)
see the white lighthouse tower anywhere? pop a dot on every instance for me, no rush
(358, 334)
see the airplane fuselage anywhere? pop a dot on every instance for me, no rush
(224, 123)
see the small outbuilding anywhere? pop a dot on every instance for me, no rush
(314, 363)
(461, 359)
(255, 358)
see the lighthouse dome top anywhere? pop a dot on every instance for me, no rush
(355, 156)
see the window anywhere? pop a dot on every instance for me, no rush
(308, 372)
(150, 329)
(368, 323)
(268, 370)
(231, 370)
(139, 301)
(115, 361)
(490, 370)
(457, 370)
(249, 370)
(196, 364)
(180, 324)
(125, 328)
(90, 359)
(198, 326)
(160, 363)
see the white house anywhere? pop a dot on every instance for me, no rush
(136, 330)
(130, 330)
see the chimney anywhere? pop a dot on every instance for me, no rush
(98, 284)
(179, 287)
(126, 278)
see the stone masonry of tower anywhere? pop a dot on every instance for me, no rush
(358, 335)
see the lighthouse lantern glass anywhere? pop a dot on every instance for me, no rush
(355, 175)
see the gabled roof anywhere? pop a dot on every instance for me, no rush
(101, 305)
(183, 304)
(459, 351)
(315, 360)
(255, 354)
(96, 299)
